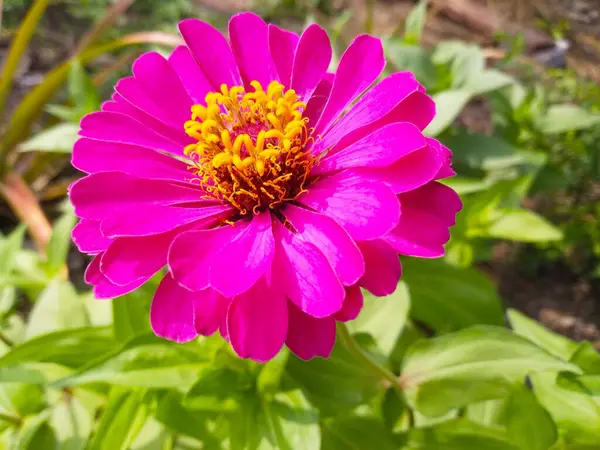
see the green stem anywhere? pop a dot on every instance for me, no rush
(366, 359)
(10, 419)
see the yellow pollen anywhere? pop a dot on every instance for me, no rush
(251, 146)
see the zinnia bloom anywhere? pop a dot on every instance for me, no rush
(271, 189)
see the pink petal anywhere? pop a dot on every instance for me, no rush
(365, 209)
(316, 104)
(283, 44)
(192, 253)
(359, 67)
(257, 322)
(419, 233)
(211, 51)
(172, 311)
(311, 61)
(379, 149)
(88, 238)
(160, 82)
(352, 306)
(249, 38)
(337, 246)
(115, 127)
(244, 260)
(156, 219)
(195, 82)
(210, 310)
(99, 195)
(130, 259)
(437, 199)
(383, 268)
(307, 336)
(375, 104)
(418, 108)
(103, 287)
(445, 171)
(93, 156)
(306, 275)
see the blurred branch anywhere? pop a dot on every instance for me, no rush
(25, 205)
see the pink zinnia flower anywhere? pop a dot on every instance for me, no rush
(271, 189)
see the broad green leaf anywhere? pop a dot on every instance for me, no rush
(124, 415)
(394, 411)
(8, 297)
(336, 384)
(466, 61)
(34, 434)
(588, 358)
(72, 424)
(415, 22)
(130, 314)
(214, 387)
(459, 434)
(449, 104)
(384, 318)
(411, 58)
(9, 248)
(152, 436)
(82, 91)
(489, 413)
(21, 400)
(269, 378)
(71, 348)
(523, 225)
(58, 308)
(56, 139)
(59, 244)
(354, 433)
(447, 298)
(410, 334)
(577, 414)
(490, 80)
(552, 342)
(480, 151)
(469, 366)
(99, 311)
(33, 373)
(528, 423)
(562, 118)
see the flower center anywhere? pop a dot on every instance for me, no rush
(251, 149)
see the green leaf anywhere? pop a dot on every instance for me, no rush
(588, 358)
(269, 378)
(459, 434)
(552, 342)
(354, 433)
(384, 318)
(411, 58)
(490, 80)
(56, 139)
(82, 90)
(59, 244)
(447, 298)
(489, 413)
(528, 423)
(33, 373)
(9, 248)
(130, 314)
(21, 400)
(394, 411)
(72, 424)
(58, 308)
(152, 436)
(465, 60)
(472, 365)
(523, 225)
(449, 104)
(415, 22)
(34, 434)
(121, 420)
(562, 118)
(577, 414)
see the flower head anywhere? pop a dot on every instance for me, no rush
(271, 189)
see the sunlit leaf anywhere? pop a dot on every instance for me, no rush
(528, 423)
(57, 139)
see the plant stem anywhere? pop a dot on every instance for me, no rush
(366, 359)
(10, 419)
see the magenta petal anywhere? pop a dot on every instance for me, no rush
(311, 61)
(352, 306)
(96, 156)
(210, 309)
(156, 219)
(366, 209)
(307, 336)
(103, 287)
(172, 311)
(99, 195)
(306, 275)
(436, 198)
(257, 322)
(379, 149)
(247, 257)
(445, 171)
(419, 233)
(375, 104)
(194, 81)
(249, 38)
(88, 238)
(160, 82)
(418, 108)
(115, 127)
(359, 67)
(211, 51)
(316, 104)
(282, 44)
(383, 268)
(337, 246)
(192, 253)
